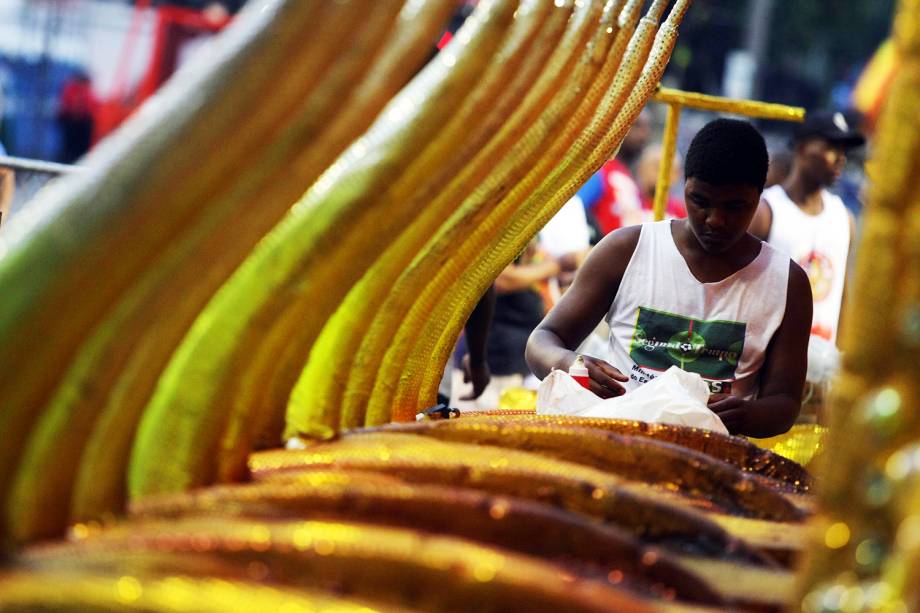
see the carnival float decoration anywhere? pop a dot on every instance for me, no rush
(284, 243)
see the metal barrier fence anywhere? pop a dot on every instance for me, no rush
(29, 176)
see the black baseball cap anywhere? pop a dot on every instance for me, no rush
(833, 126)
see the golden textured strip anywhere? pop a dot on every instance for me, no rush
(312, 139)
(785, 541)
(877, 392)
(655, 514)
(314, 254)
(732, 449)
(569, 69)
(461, 243)
(385, 565)
(719, 104)
(142, 331)
(111, 217)
(273, 370)
(72, 591)
(750, 588)
(668, 149)
(608, 124)
(317, 396)
(633, 457)
(585, 547)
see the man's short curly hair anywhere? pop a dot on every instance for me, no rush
(728, 152)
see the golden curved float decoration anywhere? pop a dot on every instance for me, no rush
(313, 193)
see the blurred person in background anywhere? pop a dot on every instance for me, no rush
(647, 170)
(566, 235)
(519, 307)
(76, 117)
(780, 167)
(620, 202)
(801, 218)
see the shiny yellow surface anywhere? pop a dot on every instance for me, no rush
(30, 591)
(719, 104)
(318, 395)
(297, 275)
(591, 39)
(668, 149)
(403, 568)
(517, 399)
(582, 152)
(801, 444)
(864, 557)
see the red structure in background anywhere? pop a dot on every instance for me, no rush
(174, 27)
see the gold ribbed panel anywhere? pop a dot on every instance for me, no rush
(529, 132)
(317, 397)
(733, 449)
(588, 152)
(508, 522)
(634, 457)
(402, 568)
(117, 592)
(865, 555)
(440, 273)
(299, 272)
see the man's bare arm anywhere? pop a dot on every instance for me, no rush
(553, 343)
(516, 277)
(783, 373)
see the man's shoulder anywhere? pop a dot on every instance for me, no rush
(621, 240)
(609, 259)
(834, 202)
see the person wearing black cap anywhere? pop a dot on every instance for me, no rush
(803, 219)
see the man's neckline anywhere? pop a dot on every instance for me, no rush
(689, 269)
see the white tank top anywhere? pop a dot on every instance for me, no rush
(662, 316)
(819, 244)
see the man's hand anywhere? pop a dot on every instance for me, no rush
(606, 381)
(477, 374)
(730, 409)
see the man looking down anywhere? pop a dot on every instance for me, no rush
(700, 293)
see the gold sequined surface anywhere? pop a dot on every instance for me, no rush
(241, 234)
(865, 552)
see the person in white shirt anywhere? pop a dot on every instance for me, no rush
(699, 293)
(801, 218)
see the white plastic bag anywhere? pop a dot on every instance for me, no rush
(676, 397)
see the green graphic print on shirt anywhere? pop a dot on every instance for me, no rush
(710, 348)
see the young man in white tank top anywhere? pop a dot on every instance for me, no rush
(700, 293)
(811, 225)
